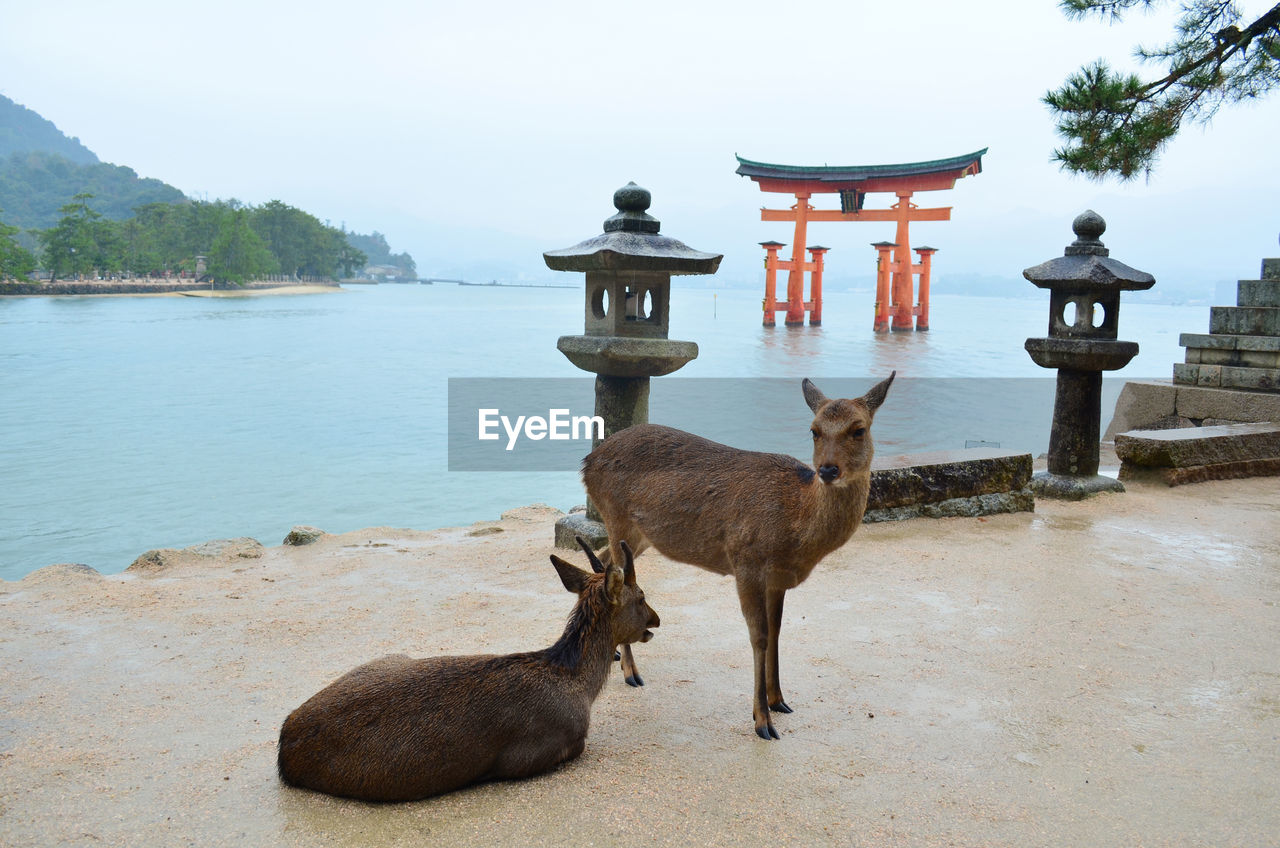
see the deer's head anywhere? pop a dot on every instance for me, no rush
(841, 430)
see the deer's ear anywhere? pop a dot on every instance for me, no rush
(614, 580)
(628, 563)
(596, 565)
(813, 395)
(876, 394)
(573, 578)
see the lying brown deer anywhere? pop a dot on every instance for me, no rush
(767, 519)
(400, 729)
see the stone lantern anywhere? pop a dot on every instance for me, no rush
(624, 342)
(1084, 309)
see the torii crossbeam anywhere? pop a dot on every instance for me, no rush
(895, 275)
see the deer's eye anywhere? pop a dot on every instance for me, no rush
(814, 431)
(859, 433)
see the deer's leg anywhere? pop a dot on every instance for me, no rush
(752, 597)
(612, 554)
(629, 671)
(773, 608)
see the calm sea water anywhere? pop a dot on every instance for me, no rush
(135, 423)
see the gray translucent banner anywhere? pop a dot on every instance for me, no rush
(517, 424)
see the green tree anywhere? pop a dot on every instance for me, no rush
(300, 243)
(350, 258)
(15, 260)
(238, 253)
(1117, 124)
(70, 246)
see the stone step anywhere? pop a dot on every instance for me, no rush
(1227, 377)
(1248, 351)
(1199, 445)
(1258, 293)
(969, 482)
(1270, 269)
(1244, 320)
(1195, 454)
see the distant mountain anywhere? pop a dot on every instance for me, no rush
(23, 131)
(378, 254)
(34, 186)
(41, 169)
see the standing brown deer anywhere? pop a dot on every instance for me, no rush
(400, 729)
(767, 519)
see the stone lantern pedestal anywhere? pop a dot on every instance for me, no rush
(1084, 309)
(624, 343)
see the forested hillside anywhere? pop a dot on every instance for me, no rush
(22, 130)
(35, 185)
(67, 213)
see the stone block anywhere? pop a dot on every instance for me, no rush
(1244, 320)
(1243, 356)
(1200, 403)
(1198, 446)
(1254, 379)
(1202, 473)
(1186, 374)
(1022, 500)
(1141, 403)
(1258, 293)
(923, 478)
(578, 524)
(1270, 269)
(1207, 340)
(1209, 375)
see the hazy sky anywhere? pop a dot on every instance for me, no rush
(477, 134)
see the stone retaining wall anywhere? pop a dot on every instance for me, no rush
(940, 484)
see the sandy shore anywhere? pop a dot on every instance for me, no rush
(189, 288)
(1095, 673)
(305, 289)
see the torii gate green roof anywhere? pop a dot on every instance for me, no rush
(853, 173)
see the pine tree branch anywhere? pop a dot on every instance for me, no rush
(1118, 125)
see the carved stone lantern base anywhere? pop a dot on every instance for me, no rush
(1072, 487)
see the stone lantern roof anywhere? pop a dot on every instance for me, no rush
(631, 242)
(1086, 264)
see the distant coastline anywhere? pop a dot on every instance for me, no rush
(496, 284)
(171, 287)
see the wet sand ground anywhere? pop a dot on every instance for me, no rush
(1096, 673)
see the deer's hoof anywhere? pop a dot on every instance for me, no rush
(635, 679)
(767, 732)
(781, 707)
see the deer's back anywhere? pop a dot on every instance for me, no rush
(399, 729)
(696, 500)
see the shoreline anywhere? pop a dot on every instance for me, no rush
(1096, 672)
(169, 288)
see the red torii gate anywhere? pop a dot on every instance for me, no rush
(895, 275)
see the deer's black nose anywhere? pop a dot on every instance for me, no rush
(828, 472)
